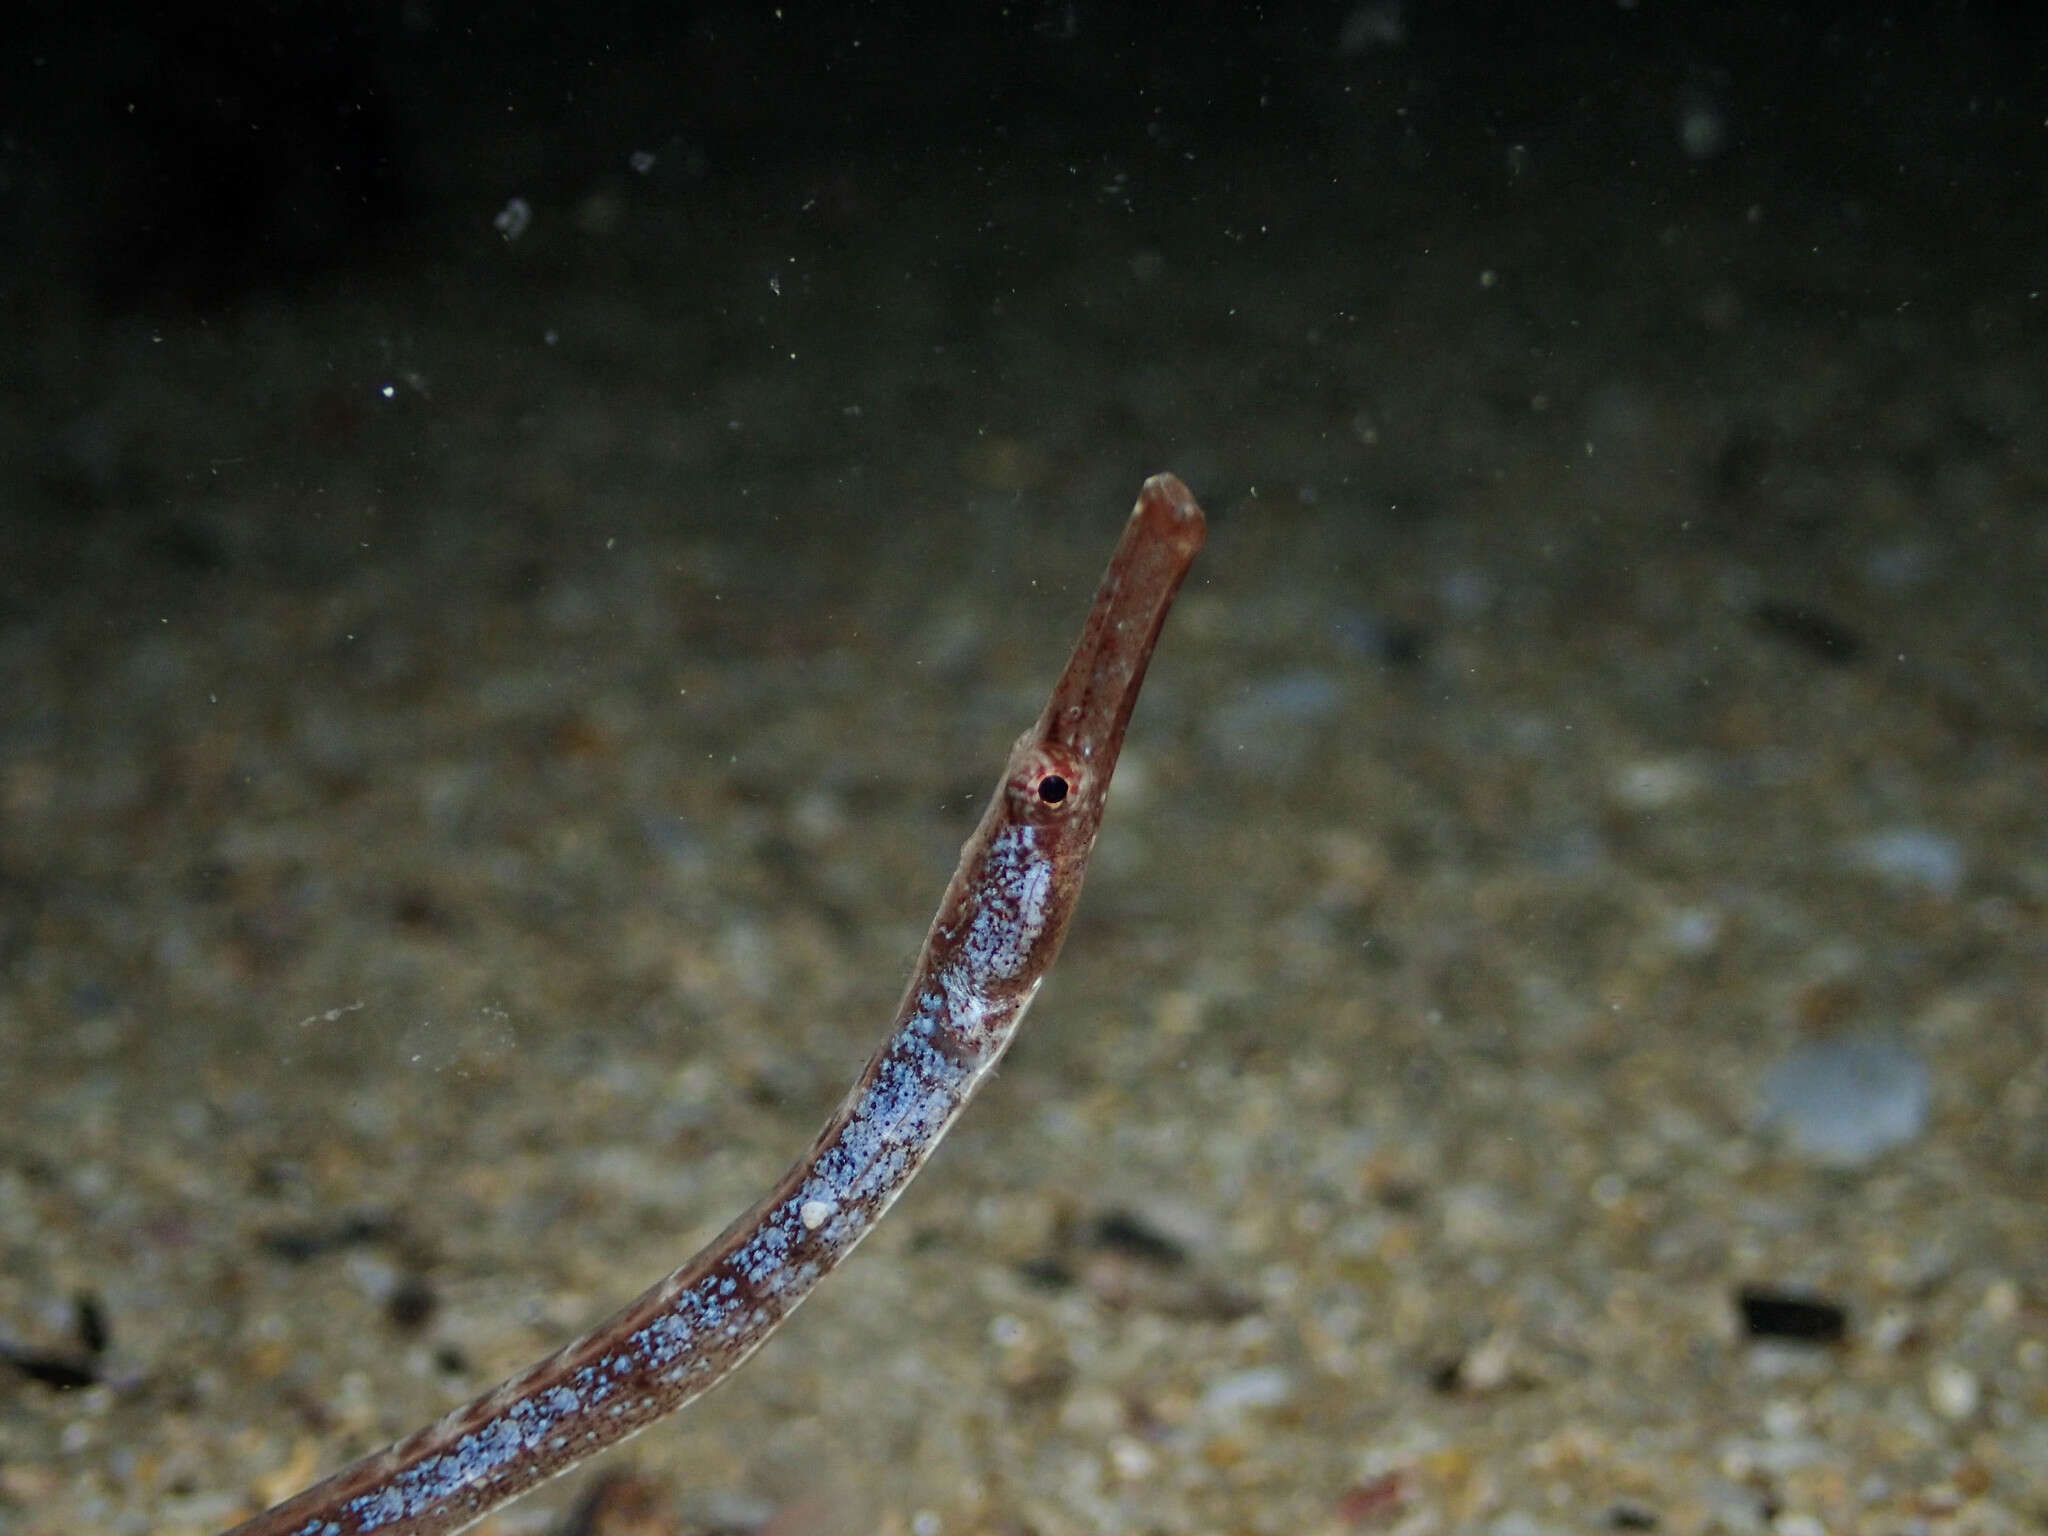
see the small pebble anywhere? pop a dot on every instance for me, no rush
(1693, 931)
(1656, 784)
(1912, 857)
(1953, 1391)
(1259, 1387)
(1845, 1102)
(1791, 1316)
(1131, 1458)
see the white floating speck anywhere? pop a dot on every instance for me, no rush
(513, 218)
(815, 1213)
(1702, 128)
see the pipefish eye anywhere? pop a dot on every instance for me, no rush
(1051, 782)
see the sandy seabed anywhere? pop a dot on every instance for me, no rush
(484, 739)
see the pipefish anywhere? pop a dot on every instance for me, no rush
(996, 933)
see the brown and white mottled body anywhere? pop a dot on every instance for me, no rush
(995, 936)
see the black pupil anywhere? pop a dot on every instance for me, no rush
(1052, 789)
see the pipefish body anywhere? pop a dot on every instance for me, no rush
(997, 931)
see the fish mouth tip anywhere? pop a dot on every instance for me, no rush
(1166, 494)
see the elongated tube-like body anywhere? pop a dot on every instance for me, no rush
(995, 936)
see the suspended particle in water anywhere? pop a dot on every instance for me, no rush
(513, 218)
